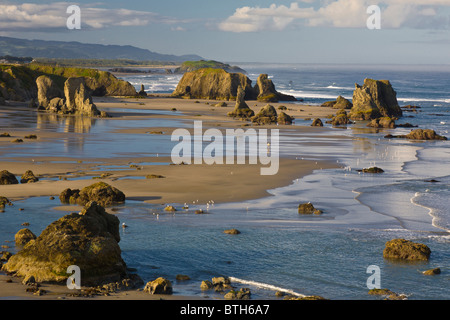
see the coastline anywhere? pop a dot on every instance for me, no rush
(182, 184)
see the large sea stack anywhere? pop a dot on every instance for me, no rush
(374, 99)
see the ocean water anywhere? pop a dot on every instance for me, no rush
(278, 249)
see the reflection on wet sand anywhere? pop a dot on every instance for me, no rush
(64, 123)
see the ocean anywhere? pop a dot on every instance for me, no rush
(278, 249)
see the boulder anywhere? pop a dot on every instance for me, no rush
(406, 250)
(241, 294)
(383, 122)
(339, 103)
(317, 123)
(231, 231)
(372, 170)
(7, 177)
(419, 134)
(28, 177)
(88, 239)
(159, 286)
(267, 115)
(265, 91)
(4, 201)
(24, 236)
(432, 272)
(341, 118)
(308, 208)
(374, 99)
(284, 118)
(100, 192)
(241, 109)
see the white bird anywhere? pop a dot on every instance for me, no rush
(124, 225)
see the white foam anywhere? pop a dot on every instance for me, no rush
(266, 286)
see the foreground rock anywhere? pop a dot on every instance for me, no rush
(159, 286)
(406, 250)
(308, 208)
(100, 192)
(7, 177)
(88, 239)
(374, 99)
(419, 134)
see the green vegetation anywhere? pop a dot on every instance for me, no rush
(189, 66)
(99, 63)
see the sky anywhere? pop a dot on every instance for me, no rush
(305, 31)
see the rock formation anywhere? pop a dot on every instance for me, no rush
(88, 239)
(241, 109)
(339, 103)
(24, 236)
(284, 118)
(383, 122)
(341, 118)
(142, 92)
(317, 123)
(217, 84)
(28, 177)
(75, 100)
(419, 134)
(406, 250)
(374, 99)
(7, 177)
(265, 91)
(308, 208)
(159, 286)
(267, 115)
(100, 192)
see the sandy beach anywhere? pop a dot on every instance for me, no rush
(180, 183)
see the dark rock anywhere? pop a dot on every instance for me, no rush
(406, 250)
(372, 170)
(317, 123)
(432, 272)
(7, 177)
(142, 92)
(28, 177)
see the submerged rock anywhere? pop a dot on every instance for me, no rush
(308, 208)
(374, 99)
(88, 239)
(7, 177)
(406, 250)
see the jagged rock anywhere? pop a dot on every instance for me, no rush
(341, 118)
(88, 239)
(7, 177)
(406, 250)
(23, 236)
(317, 123)
(241, 109)
(383, 122)
(284, 118)
(265, 91)
(101, 192)
(206, 285)
(267, 115)
(142, 92)
(47, 90)
(78, 99)
(159, 286)
(28, 177)
(339, 103)
(374, 99)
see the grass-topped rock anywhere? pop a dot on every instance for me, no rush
(100, 192)
(88, 239)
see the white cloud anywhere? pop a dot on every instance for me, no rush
(53, 16)
(340, 14)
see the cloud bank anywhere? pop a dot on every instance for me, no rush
(419, 14)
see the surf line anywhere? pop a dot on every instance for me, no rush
(266, 286)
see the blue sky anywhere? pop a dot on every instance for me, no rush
(305, 31)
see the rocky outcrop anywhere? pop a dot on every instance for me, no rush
(24, 236)
(265, 91)
(339, 103)
(213, 84)
(88, 239)
(75, 100)
(383, 122)
(317, 123)
(241, 109)
(284, 118)
(142, 92)
(7, 177)
(28, 177)
(100, 192)
(159, 286)
(374, 99)
(406, 250)
(341, 118)
(419, 134)
(217, 84)
(308, 208)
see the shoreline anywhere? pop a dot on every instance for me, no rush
(182, 184)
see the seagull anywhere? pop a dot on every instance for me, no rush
(124, 225)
